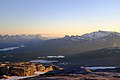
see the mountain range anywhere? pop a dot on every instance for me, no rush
(68, 46)
(13, 40)
(93, 36)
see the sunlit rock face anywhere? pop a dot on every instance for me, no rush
(40, 68)
(25, 68)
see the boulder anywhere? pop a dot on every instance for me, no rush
(23, 70)
(50, 68)
(56, 67)
(17, 71)
(40, 68)
(53, 67)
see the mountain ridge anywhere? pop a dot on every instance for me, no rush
(66, 46)
(93, 35)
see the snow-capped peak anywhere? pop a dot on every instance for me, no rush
(94, 35)
(99, 34)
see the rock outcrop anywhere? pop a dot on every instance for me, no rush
(40, 68)
(25, 68)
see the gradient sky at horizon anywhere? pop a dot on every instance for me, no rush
(58, 17)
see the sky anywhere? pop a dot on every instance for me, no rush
(56, 18)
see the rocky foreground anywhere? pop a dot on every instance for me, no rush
(11, 71)
(8, 69)
(79, 74)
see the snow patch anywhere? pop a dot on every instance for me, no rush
(55, 56)
(11, 48)
(94, 68)
(60, 56)
(44, 61)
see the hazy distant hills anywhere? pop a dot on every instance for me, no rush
(68, 46)
(12, 40)
(77, 44)
(18, 38)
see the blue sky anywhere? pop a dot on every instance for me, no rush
(58, 17)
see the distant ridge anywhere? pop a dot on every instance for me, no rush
(93, 35)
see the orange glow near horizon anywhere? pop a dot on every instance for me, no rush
(57, 18)
(59, 32)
